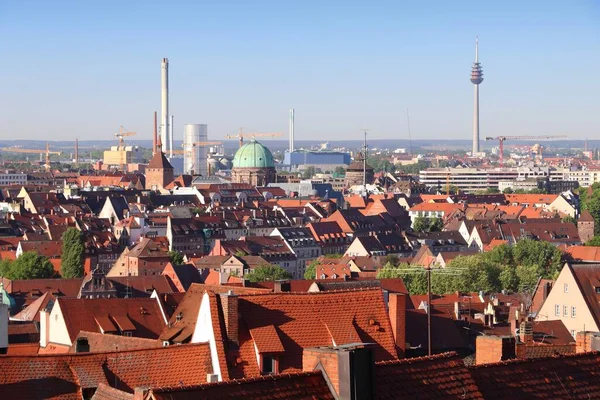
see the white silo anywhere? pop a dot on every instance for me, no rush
(195, 155)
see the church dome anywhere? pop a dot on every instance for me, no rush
(253, 155)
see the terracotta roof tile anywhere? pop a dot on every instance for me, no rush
(267, 339)
(305, 320)
(563, 377)
(100, 343)
(300, 386)
(105, 392)
(88, 314)
(66, 374)
(435, 377)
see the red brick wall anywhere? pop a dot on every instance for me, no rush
(329, 361)
(490, 349)
(229, 303)
(397, 312)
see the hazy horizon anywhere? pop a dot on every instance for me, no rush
(78, 69)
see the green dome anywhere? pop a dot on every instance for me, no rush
(253, 155)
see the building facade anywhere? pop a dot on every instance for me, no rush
(253, 164)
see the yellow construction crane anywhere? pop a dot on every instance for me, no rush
(242, 135)
(120, 135)
(30, 151)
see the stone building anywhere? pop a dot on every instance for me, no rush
(585, 226)
(355, 172)
(159, 172)
(253, 163)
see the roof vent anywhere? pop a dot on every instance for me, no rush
(210, 378)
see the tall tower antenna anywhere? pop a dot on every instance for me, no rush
(164, 97)
(365, 165)
(409, 134)
(476, 79)
(291, 130)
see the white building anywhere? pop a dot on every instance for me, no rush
(8, 178)
(195, 156)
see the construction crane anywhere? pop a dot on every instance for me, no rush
(29, 151)
(120, 135)
(242, 135)
(501, 140)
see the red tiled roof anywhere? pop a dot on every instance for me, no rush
(434, 377)
(100, 343)
(66, 374)
(584, 253)
(267, 339)
(300, 386)
(105, 392)
(87, 314)
(305, 320)
(561, 377)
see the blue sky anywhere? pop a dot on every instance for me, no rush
(82, 68)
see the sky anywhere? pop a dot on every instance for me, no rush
(83, 68)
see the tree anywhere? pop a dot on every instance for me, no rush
(507, 191)
(473, 274)
(268, 272)
(435, 224)
(73, 253)
(309, 172)
(509, 278)
(391, 259)
(30, 265)
(595, 241)
(529, 276)
(311, 270)
(414, 278)
(176, 257)
(421, 224)
(240, 253)
(500, 255)
(339, 171)
(492, 190)
(528, 252)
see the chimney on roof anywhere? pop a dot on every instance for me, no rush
(526, 332)
(229, 303)
(348, 369)
(397, 313)
(281, 286)
(44, 328)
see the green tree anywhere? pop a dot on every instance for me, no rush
(569, 219)
(339, 171)
(473, 274)
(309, 172)
(391, 259)
(507, 191)
(500, 255)
(30, 265)
(311, 270)
(5, 268)
(492, 190)
(414, 278)
(240, 253)
(528, 252)
(176, 257)
(421, 224)
(595, 241)
(435, 224)
(529, 276)
(268, 272)
(509, 278)
(73, 253)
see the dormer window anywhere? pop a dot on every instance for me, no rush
(269, 364)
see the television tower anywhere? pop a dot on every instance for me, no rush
(476, 79)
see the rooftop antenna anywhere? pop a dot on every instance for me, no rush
(365, 147)
(409, 135)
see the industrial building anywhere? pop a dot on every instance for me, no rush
(195, 158)
(117, 156)
(474, 179)
(299, 160)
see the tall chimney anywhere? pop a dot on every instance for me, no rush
(164, 96)
(76, 151)
(171, 138)
(154, 137)
(291, 130)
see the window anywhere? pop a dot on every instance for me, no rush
(573, 312)
(566, 288)
(573, 332)
(557, 310)
(268, 364)
(565, 311)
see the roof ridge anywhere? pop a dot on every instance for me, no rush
(66, 355)
(531, 360)
(433, 357)
(260, 378)
(337, 291)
